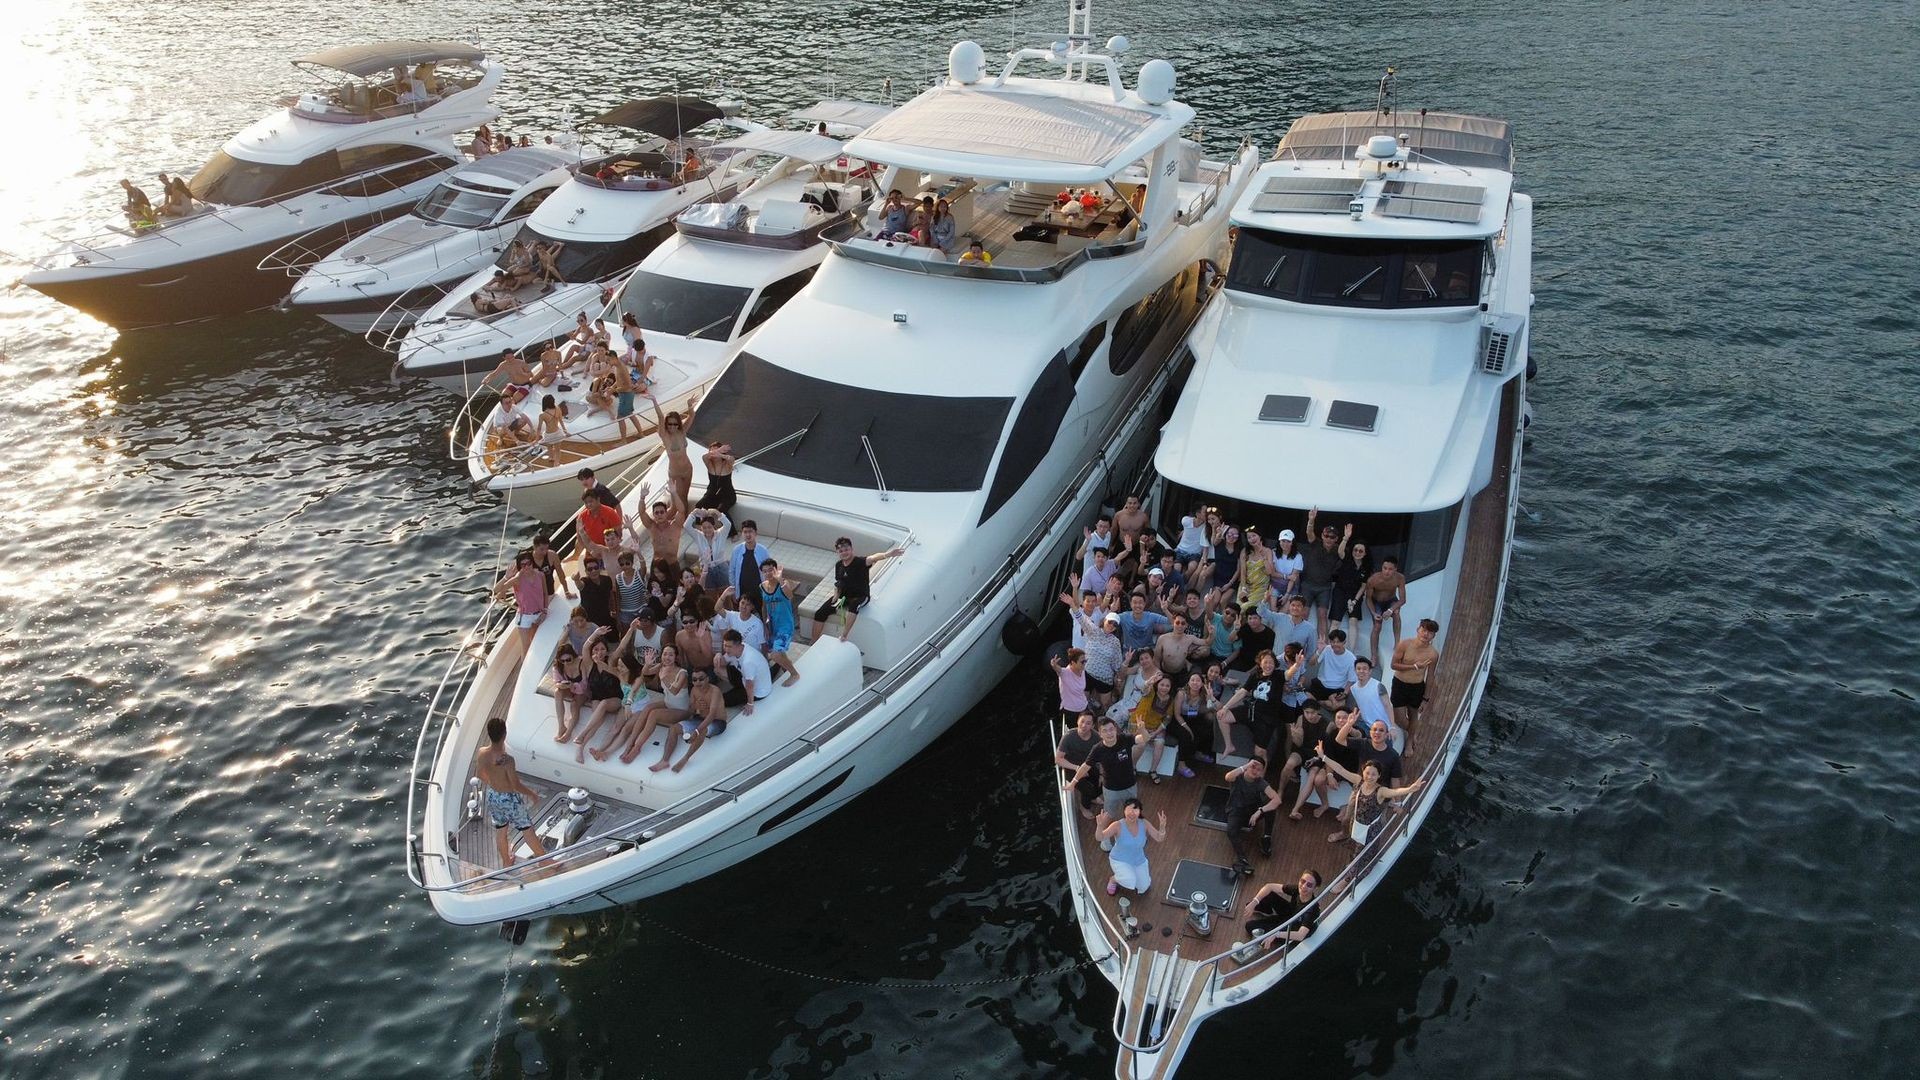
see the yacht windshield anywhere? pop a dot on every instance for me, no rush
(924, 442)
(693, 309)
(460, 207)
(591, 260)
(1357, 273)
(230, 181)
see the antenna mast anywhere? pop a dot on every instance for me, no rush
(1079, 35)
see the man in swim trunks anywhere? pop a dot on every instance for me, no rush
(512, 368)
(1382, 597)
(706, 719)
(1413, 663)
(507, 794)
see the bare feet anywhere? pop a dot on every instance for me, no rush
(658, 765)
(627, 757)
(562, 736)
(1336, 837)
(1296, 815)
(1322, 812)
(791, 679)
(683, 763)
(601, 755)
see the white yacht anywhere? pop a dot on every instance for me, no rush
(962, 411)
(613, 211)
(365, 145)
(384, 278)
(727, 268)
(1365, 358)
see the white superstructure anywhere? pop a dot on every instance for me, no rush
(334, 161)
(971, 414)
(383, 278)
(1365, 359)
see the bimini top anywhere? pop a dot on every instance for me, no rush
(380, 56)
(799, 145)
(1051, 131)
(860, 114)
(1449, 138)
(669, 117)
(516, 167)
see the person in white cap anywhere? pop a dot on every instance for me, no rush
(1287, 566)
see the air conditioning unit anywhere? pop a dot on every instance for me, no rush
(1500, 343)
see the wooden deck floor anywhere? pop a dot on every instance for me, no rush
(1302, 845)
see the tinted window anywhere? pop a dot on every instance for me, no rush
(922, 442)
(581, 261)
(530, 202)
(367, 158)
(399, 176)
(461, 207)
(1357, 273)
(1089, 345)
(670, 305)
(1134, 330)
(230, 180)
(1033, 431)
(775, 296)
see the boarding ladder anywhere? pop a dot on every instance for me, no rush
(1154, 1015)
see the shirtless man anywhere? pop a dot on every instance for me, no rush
(1384, 594)
(706, 719)
(662, 519)
(694, 639)
(1413, 663)
(1130, 522)
(507, 794)
(1176, 648)
(514, 370)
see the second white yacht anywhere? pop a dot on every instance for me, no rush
(945, 415)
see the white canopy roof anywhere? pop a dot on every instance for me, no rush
(858, 114)
(803, 145)
(1051, 131)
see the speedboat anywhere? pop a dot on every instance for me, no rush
(382, 279)
(614, 210)
(1372, 331)
(959, 412)
(334, 161)
(725, 271)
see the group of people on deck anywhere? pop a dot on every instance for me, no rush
(615, 377)
(1221, 646)
(681, 614)
(176, 201)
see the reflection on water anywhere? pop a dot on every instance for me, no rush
(239, 552)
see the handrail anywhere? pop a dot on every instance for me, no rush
(389, 339)
(813, 739)
(1345, 882)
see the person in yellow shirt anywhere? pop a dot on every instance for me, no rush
(976, 253)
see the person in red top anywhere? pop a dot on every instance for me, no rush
(599, 523)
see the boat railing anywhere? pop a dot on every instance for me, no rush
(223, 213)
(301, 254)
(1400, 822)
(1203, 203)
(815, 738)
(390, 328)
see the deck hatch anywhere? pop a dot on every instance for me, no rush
(1352, 415)
(1458, 203)
(1285, 409)
(1307, 195)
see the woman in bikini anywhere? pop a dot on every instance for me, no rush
(673, 445)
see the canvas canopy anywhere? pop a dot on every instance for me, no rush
(669, 117)
(801, 145)
(1451, 138)
(1015, 134)
(860, 114)
(381, 56)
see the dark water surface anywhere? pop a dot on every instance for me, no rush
(1681, 842)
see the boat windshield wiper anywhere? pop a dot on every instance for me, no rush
(1355, 284)
(727, 318)
(777, 443)
(873, 462)
(1426, 282)
(1267, 282)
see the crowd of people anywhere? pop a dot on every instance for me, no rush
(1221, 646)
(697, 617)
(616, 376)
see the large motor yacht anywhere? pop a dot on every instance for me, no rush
(384, 278)
(726, 270)
(613, 211)
(963, 413)
(334, 161)
(1364, 361)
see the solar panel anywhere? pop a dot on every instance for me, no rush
(1306, 195)
(1352, 415)
(1432, 202)
(1285, 408)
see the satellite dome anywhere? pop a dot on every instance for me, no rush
(1155, 85)
(966, 64)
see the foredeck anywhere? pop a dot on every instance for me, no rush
(1303, 845)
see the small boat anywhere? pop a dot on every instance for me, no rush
(725, 271)
(375, 280)
(943, 414)
(331, 163)
(1365, 358)
(610, 214)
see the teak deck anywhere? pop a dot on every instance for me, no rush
(1302, 845)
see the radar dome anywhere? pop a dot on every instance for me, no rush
(1118, 44)
(966, 64)
(1155, 85)
(1382, 147)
